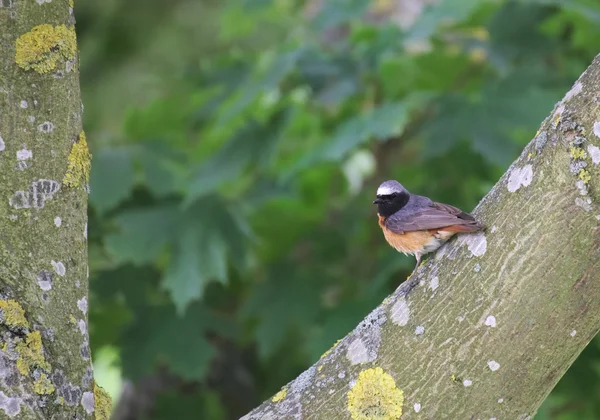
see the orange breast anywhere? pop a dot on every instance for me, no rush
(423, 241)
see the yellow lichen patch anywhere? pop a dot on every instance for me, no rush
(78, 169)
(452, 49)
(577, 153)
(478, 54)
(480, 33)
(102, 402)
(375, 396)
(585, 176)
(44, 46)
(556, 119)
(71, 4)
(329, 351)
(30, 353)
(43, 386)
(280, 395)
(14, 315)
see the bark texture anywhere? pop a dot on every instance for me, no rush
(488, 325)
(45, 365)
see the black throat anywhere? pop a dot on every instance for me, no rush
(390, 204)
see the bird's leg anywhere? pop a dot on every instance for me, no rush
(418, 256)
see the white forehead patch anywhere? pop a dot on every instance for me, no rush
(386, 190)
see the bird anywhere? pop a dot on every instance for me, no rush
(416, 225)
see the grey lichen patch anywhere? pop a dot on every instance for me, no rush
(70, 393)
(39, 192)
(575, 90)
(88, 378)
(82, 304)
(46, 127)
(434, 283)
(594, 152)
(493, 365)
(59, 267)
(2, 144)
(520, 177)
(419, 330)
(304, 381)
(581, 187)
(288, 403)
(57, 221)
(87, 401)
(11, 406)
(84, 350)
(82, 327)
(540, 140)
(584, 203)
(44, 280)
(23, 157)
(490, 321)
(596, 128)
(400, 312)
(366, 338)
(24, 154)
(476, 243)
(358, 352)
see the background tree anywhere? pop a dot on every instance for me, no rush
(46, 371)
(274, 121)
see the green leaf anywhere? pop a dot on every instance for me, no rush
(337, 12)
(161, 167)
(111, 178)
(488, 118)
(380, 123)
(144, 233)
(257, 85)
(159, 336)
(202, 404)
(208, 234)
(254, 143)
(198, 256)
(442, 12)
(287, 300)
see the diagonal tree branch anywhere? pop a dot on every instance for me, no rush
(489, 324)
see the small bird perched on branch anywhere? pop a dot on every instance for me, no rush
(416, 225)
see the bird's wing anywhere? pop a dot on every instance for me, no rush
(434, 216)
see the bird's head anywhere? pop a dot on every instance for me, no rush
(391, 197)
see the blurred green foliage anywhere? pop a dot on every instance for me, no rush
(237, 148)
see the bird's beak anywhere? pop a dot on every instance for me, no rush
(377, 201)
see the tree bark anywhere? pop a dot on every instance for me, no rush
(45, 365)
(488, 325)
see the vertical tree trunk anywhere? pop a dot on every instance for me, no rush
(45, 364)
(488, 325)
